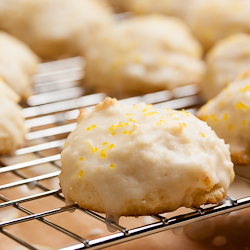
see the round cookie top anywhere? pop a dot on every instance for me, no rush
(141, 160)
(229, 116)
(12, 127)
(145, 54)
(225, 61)
(17, 64)
(55, 29)
(212, 20)
(166, 7)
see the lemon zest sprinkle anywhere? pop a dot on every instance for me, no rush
(91, 148)
(240, 105)
(91, 127)
(111, 146)
(132, 120)
(80, 173)
(103, 154)
(245, 89)
(111, 165)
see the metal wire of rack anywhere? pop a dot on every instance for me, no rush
(51, 114)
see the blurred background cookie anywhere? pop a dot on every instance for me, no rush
(54, 29)
(17, 64)
(225, 61)
(144, 54)
(212, 20)
(12, 127)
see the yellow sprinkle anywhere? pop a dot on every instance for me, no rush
(214, 117)
(113, 133)
(124, 132)
(130, 132)
(120, 124)
(230, 127)
(81, 159)
(183, 110)
(168, 108)
(111, 128)
(132, 120)
(105, 143)
(91, 127)
(245, 89)
(171, 114)
(150, 113)
(111, 146)
(184, 124)
(176, 119)
(163, 117)
(103, 154)
(204, 108)
(128, 114)
(221, 104)
(203, 135)
(243, 123)
(162, 121)
(66, 143)
(225, 117)
(240, 105)
(135, 106)
(158, 123)
(126, 123)
(144, 110)
(111, 165)
(91, 148)
(80, 173)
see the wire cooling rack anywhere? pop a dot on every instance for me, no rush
(29, 177)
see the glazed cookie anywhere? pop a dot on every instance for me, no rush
(130, 161)
(225, 61)
(229, 116)
(212, 20)
(145, 54)
(7, 91)
(54, 29)
(12, 127)
(166, 7)
(17, 64)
